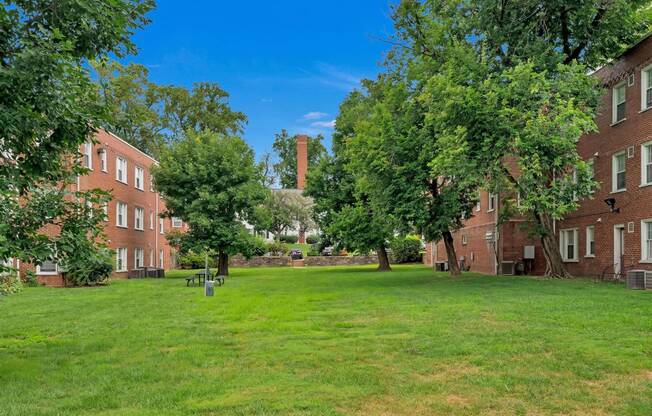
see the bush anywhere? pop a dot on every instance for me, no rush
(192, 260)
(258, 246)
(406, 249)
(10, 283)
(312, 239)
(278, 249)
(314, 250)
(289, 239)
(93, 266)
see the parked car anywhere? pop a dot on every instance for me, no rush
(296, 254)
(328, 251)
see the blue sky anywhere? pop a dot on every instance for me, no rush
(286, 64)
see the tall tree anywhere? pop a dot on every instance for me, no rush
(285, 147)
(212, 182)
(48, 107)
(508, 83)
(342, 209)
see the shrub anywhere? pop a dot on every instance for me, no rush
(314, 250)
(92, 266)
(258, 246)
(192, 260)
(10, 283)
(289, 239)
(277, 248)
(312, 239)
(406, 249)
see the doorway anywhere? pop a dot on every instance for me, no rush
(619, 249)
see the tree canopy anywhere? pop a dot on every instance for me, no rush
(285, 147)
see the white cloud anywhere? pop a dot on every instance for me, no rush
(314, 115)
(328, 124)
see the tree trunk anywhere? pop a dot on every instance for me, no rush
(383, 259)
(554, 263)
(453, 265)
(223, 264)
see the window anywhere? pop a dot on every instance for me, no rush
(47, 267)
(176, 222)
(568, 244)
(121, 214)
(151, 183)
(646, 88)
(139, 258)
(103, 164)
(646, 241)
(646, 164)
(160, 259)
(151, 220)
(590, 241)
(139, 218)
(491, 202)
(121, 170)
(160, 226)
(121, 260)
(105, 208)
(464, 239)
(151, 257)
(139, 175)
(88, 155)
(478, 206)
(618, 96)
(618, 172)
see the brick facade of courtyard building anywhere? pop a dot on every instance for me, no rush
(134, 228)
(594, 241)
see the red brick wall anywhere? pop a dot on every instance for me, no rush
(130, 238)
(636, 202)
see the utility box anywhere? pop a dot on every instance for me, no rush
(209, 287)
(636, 279)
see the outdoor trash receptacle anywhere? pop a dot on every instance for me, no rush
(209, 287)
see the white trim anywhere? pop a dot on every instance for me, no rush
(179, 223)
(138, 178)
(161, 226)
(645, 81)
(614, 173)
(644, 162)
(41, 273)
(563, 245)
(614, 104)
(142, 218)
(88, 152)
(587, 248)
(140, 251)
(118, 213)
(491, 202)
(104, 161)
(132, 146)
(124, 259)
(125, 179)
(644, 238)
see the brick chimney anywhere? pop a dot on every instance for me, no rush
(302, 160)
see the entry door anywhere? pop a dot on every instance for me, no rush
(619, 248)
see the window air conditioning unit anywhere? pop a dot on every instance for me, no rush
(507, 267)
(637, 279)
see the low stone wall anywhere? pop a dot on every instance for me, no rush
(340, 260)
(260, 261)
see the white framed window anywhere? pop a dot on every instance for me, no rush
(121, 259)
(618, 175)
(491, 201)
(121, 214)
(139, 218)
(478, 206)
(646, 88)
(568, 244)
(121, 169)
(151, 220)
(88, 155)
(160, 226)
(47, 267)
(618, 102)
(464, 239)
(590, 241)
(103, 164)
(646, 241)
(176, 222)
(646, 164)
(139, 258)
(139, 178)
(105, 208)
(151, 257)
(160, 259)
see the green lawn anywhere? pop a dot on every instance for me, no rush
(329, 341)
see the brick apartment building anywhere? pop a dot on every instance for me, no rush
(134, 229)
(595, 240)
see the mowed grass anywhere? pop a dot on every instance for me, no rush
(329, 341)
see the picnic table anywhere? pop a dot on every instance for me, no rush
(202, 276)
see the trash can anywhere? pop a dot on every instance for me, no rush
(209, 287)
